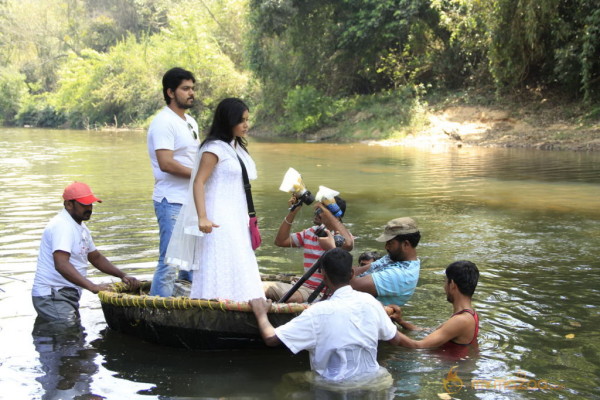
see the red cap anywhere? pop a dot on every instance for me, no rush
(80, 192)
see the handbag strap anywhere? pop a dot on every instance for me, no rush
(247, 188)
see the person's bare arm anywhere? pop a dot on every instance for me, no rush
(168, 164)
(359, 270)
(267, 331)
(283, 239)
(364, 284)
(67, 270)
(395, 313)
(335, 225)
(208, 161)
(448, 331)
(98, 260)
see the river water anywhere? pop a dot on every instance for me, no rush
(529, 219)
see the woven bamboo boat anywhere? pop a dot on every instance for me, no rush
(185, 322)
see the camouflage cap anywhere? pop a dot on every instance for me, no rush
(398, 226)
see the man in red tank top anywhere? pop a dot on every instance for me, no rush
(463, 326)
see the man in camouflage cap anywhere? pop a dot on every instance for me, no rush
(393, 278)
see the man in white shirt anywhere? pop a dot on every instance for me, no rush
(341, 333)
(173, 142)
(65, 250)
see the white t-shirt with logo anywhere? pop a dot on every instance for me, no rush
(168, 131)
(64, 234)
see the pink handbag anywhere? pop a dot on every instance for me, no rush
(254, 233)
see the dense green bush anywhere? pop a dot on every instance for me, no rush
(123, 86)
(36, 111)
(305, 109)
(13, 92)
(116, 79)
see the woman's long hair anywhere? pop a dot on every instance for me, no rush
(228, 114)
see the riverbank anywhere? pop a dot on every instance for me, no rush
(487, 126)
(530, 120)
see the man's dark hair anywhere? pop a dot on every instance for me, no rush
(341, 204)
(337, 264)
(369, 255)
(413, 238)
(465, 274)
(228, 114)
(172, 79)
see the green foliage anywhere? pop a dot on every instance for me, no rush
(463, 59)
(590, 56)
(102, 33)
(36, 111)
(305, 109)
(356, 46)
(123, 86)
(380, 115)
(87, 63)
(520, 39)
(13, 92)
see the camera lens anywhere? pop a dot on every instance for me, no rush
(307, 198)
(320, 231)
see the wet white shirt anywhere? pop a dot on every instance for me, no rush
(341, 334)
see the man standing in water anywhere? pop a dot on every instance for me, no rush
(65, 250)
(312, 244)
(393, 278)
(340, 333)
(172, 147)
(463, 326)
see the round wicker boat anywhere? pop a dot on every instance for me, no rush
(185, 322)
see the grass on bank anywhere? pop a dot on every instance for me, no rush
(311, 115)
(398, 113)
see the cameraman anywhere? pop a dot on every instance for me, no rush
(314, 246)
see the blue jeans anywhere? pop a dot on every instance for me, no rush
(185, 275)
(164, 276)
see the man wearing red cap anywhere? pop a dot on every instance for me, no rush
(65, 250)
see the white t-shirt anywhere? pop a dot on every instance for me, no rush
(168, 131)
(61, 233)
(341, 334)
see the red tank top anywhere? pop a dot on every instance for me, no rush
(474, 314)
(457, 351)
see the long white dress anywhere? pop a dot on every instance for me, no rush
(223, 261)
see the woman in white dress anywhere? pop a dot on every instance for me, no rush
(212, 236)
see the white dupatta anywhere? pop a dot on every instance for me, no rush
(181, 251)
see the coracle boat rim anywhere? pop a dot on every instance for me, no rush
(118, 295)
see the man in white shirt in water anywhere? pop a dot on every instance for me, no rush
(340, 333)
(65, 250)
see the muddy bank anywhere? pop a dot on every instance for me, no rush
(488, 127)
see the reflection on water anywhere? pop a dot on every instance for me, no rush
(207, 374)
(67, 365)
(530, 220)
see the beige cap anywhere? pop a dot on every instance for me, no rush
(398, 226)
